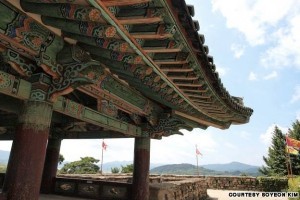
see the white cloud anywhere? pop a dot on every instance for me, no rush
(296, 95)
(230, 146)
(266, 137)
(238, 50)
(244, 135)
(252, 76)
(272, 75)
(221, 70)
(5, 145)
(275, 23)
(298, 115)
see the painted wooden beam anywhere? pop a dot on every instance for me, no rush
(147, 20)
(14, 86)
(78, 111)
(188, 85)
(176, 62)
(177, 70)
(123, 2)
(162, 50)
(92, 135)
(191, 78)
(199, 120)
(152, 36)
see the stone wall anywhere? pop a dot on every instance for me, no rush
(192, 188)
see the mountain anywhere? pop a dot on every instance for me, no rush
(180, 169)
(107, 166)
(4, 155)
(231, 167)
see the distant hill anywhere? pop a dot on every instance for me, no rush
(107, 166)
(180, 169)
(233, 169)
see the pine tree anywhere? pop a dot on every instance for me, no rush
(294, 133)
(276, 160)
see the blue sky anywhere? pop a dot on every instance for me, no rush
(256, 48)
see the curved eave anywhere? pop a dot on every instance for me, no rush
(183, 13)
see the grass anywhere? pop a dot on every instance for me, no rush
(294, 185)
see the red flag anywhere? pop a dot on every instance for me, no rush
(104, 146)
(292, 142)
(198, 152)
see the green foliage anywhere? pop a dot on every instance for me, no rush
(273, 184)
(294, 185)
(84, 166)
(115, 170)
(276, 160)
(294, 133)
(2, 168)
(61, 159)
(127, 168)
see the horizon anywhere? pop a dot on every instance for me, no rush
(257, 56)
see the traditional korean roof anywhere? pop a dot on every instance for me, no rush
(151, 46)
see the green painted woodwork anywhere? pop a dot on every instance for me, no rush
(19, 63)
(14, 86)
(83, 28)
(7, 16)
(32, 35)
(110, 44)
(113, 55)
(81, 112)
(114, 86)
(64, 11)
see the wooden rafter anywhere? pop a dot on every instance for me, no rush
(176, 62)
(123, 2)
(148, 20)
(183, 78)
(177, 70)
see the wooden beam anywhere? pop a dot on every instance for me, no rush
(183, 78)
(188, 85)
(92, 135)
(195, 96)
(198, 120)
(83, 113)
(162, 50)
(176, 62)
(152, 36)
(194, 91)
(123, 2)
(177, 70)
(147, 20)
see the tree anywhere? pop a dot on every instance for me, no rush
(84, 166)
(61, 159)
(127, 168)
(115, 170)
(294, 133)
(276, 160)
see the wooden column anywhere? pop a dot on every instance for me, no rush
(26, 162)
(140, 183)
(50, 166)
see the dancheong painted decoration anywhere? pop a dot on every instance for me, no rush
(104, 69)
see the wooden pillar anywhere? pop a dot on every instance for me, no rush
(50, 166)
(26, 162)
(140, 183)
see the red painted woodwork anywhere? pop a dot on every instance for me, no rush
(140, 182)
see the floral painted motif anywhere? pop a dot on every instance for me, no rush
(110, 32)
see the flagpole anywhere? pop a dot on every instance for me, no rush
(197, 162)
(101, 157)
